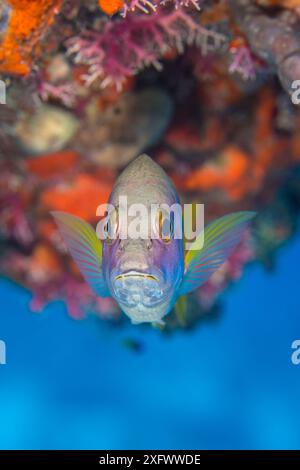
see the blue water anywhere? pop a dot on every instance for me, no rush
(229, 383)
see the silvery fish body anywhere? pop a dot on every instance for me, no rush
(146, 274)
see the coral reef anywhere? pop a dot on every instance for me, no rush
(204, 87)
(148, 38)
(275, 39)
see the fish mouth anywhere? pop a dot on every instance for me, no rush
(137, 275)
(134, 288)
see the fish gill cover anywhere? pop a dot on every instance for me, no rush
(207, 88)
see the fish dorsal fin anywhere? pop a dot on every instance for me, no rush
(85, 249)
(220, 238)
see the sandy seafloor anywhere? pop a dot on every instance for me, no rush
(229, 383)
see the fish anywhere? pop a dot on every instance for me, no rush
(147, 276)
(105, 137)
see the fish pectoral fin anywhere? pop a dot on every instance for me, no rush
(219, 240)
(180, 309)
(85, 248)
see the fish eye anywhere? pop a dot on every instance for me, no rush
(166, 227)
(110, 229)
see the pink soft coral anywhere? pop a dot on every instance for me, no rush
(77, 296)
(64, 92)
(149, 6)
(125, 46)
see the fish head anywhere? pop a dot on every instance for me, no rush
(141, 272)
(144, 269)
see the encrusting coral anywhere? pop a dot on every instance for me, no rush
(27, 21)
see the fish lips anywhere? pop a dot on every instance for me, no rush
(133, 288)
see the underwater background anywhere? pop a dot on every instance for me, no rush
(228, 384)
(210, 90)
